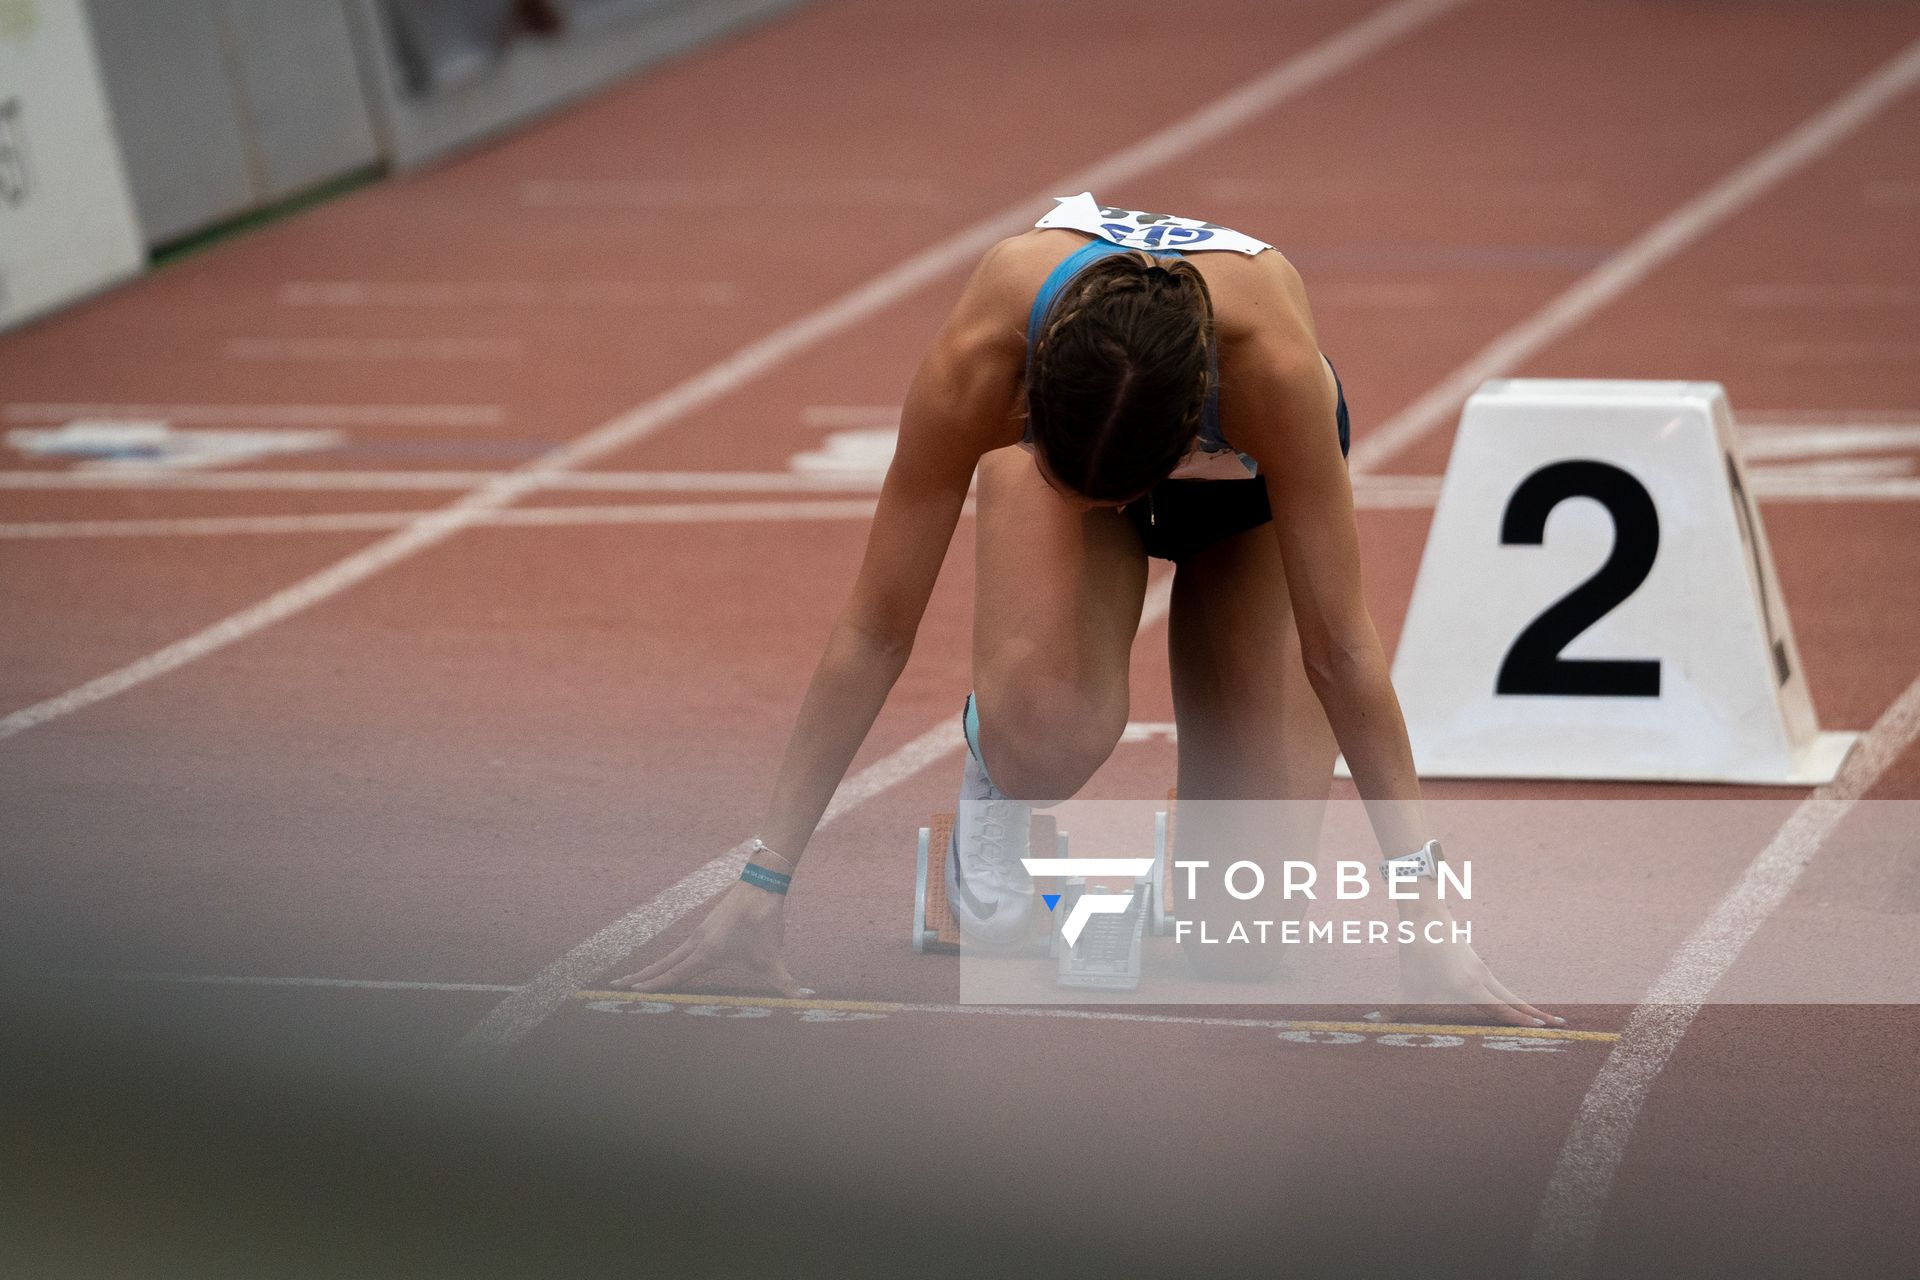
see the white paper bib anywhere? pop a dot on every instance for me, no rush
(1154, 232)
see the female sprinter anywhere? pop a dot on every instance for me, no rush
(1125, 385)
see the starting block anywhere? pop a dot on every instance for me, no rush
(1161, 916)
(1107, 953)
(934, 928)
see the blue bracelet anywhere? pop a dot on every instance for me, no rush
(761, 878)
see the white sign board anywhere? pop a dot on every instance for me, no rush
(1597, 600)
(67, 223)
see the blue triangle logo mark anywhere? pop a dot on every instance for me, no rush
(1051, 899)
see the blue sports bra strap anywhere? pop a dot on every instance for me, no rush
(1069, 267)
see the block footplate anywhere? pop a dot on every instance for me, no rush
(934, 928)
(1107, 953)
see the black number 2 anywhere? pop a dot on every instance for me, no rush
(1534, 665)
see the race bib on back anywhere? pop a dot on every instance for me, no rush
(1136, 229)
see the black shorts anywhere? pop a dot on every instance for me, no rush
(1179, 517)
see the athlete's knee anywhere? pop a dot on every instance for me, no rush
(1041, 740)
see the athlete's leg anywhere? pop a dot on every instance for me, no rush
(1056, 603)
(1250, 729)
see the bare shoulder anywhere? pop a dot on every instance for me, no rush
(968, 384)
(987, 328)
(1261, 299)
(1011, 272)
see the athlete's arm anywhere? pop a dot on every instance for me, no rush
(1278, 400)
(958, 407)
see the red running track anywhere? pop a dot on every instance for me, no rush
(457, 769)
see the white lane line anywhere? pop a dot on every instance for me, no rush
(1576, 1195)
(1849, 481)
(1806, 484)
(130, 478)
(269, 415)
(1813, 437)
(850, 416)
(512, 517)
(1330, 57)
(524, 1010)
(1632, 264)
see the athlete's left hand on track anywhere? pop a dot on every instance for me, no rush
(741, 936)
(1452, 975)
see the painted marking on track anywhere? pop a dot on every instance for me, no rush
(1836, 481)
(425, 481)
(826, 417)
(1608, 281)
(135, 446)
(1294, 1030)
(271, 415)
(511, 518)
(1816, 435)
(863, 451)
(1576, 1197)
(826, 1010)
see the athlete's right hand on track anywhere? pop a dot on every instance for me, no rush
(740, 937)
(1449, 980)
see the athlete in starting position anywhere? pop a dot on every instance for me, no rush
(1093, 374)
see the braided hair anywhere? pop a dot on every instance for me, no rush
(1119, 377)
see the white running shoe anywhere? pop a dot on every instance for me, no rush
(989, 890)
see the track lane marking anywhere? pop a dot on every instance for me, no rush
(512, 517)
(1324, 60)
(1096, 1015)
(264, 481)
(1812, 483)
(269, 415)
(1568, 1223)
(826, 1005)
(1604, 284)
